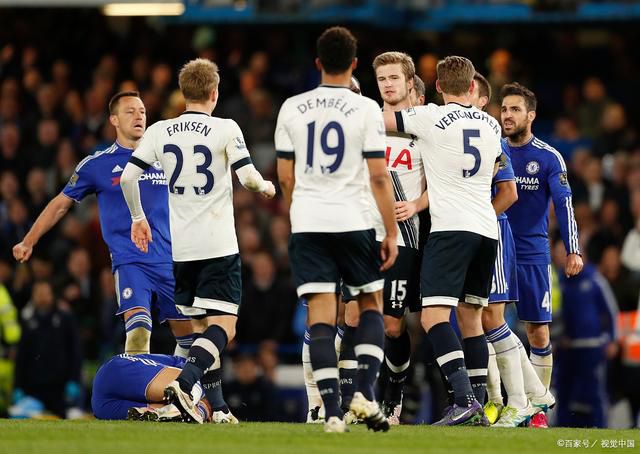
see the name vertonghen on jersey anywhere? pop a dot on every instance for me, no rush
(451, 117)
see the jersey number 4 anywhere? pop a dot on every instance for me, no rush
(337, 151)
(467, 135)
(202, 169)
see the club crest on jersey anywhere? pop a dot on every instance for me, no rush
(533, 167)
(127, 293)
(502, 164)
(564, 181)
(240, 145)
(73, 180)
(156, 165)
(411, 111)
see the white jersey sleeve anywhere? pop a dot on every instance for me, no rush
(416, 120)
(374, 133)
(283, 143)
(146, 151)
(236, 149)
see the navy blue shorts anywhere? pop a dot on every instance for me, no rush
(534, 287)
(147, 286)
(121, 383)
(402, 284)
(208, 287)
(457, 266)
(504, 286)
(320, 260)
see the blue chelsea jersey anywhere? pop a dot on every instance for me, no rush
(541, 176)
(505, 173)
(100, 174)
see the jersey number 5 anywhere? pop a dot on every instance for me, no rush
(201, 169)
(467, 134)
(338, 150)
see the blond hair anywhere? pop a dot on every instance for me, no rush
(391, 58)
(455, 75)
(197, 79)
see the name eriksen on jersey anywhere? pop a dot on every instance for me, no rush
(188, 126)
(331, 103)
(451, 117)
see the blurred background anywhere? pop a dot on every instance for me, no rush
(60, 65)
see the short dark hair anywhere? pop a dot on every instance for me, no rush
(336, 49)
(483, 85)
(515, 89)
(115, 100)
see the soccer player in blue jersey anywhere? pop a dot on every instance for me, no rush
(142, 280)
(541, 176)
(132, 387)
(505, 360)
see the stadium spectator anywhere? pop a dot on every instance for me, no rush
(49, 354)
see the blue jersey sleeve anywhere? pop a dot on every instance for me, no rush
(82, 182)
(505, 169)
(562, 201)
(607, 306)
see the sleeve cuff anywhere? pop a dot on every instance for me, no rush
(139, 162)
(281, 154)
(399, 122)
(241, 163)
(373, 154)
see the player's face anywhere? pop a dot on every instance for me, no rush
(479, 102)
(392, 84)
(514, 116)
(130, 118)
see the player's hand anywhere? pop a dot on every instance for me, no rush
(141, 235)
(22, 252)
(270, 190)
(574, 265)
(405, 210)
(611, 350)
(388, 252)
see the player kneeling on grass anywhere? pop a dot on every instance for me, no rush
(132, 387)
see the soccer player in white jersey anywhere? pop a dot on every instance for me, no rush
(197, 151)
(323, 137)
(395, 76)
(463, 150)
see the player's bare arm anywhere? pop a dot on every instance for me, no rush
(407, 209)
(53, 212)
(383, 194)
(506, 196)
(286, 178)
(390, 123)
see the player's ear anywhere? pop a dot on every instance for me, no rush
(472, 86)
(354, 64)
(484, 100)
(113, 119)
(318, 64)
(531, 115)
(214, 95)
(410, 85)
(438, 89)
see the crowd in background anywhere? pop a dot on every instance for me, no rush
(54, 92)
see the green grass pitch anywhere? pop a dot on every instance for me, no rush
(90, 436)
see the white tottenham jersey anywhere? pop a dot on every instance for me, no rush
(197, 151)
(462, 144)
(329, 131)
(404, 162)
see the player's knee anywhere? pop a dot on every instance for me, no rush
(393, 330)
(492, 318)
(351, 314)
(538, 334)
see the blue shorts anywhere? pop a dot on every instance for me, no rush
(534, 288)
(504, 286)
(149, 287)
(121, 383)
